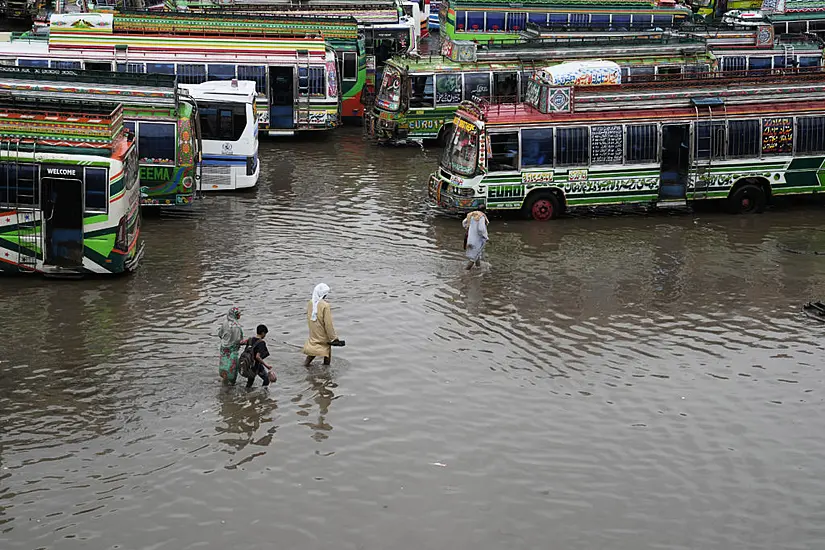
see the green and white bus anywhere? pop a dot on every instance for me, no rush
(419, 96)
(740, 139)
(69, 193)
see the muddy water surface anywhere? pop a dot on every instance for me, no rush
(620, 382)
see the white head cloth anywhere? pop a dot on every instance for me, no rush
(319, 293)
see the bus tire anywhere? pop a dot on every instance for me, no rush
(747, 199)
(542, 206)
(444, 134)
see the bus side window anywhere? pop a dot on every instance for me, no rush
(476, 85)
(32, 62)
(642, 142)
(160, 68)
(191, 74)
(810, 137)
(572, 146)
(709, 141)
(504, 152)
(422, 93)
(744, 138)
(536, 147)
(97, 190)
(505, 87)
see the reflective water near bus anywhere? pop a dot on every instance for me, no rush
(604, 381)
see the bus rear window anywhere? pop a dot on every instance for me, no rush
(156, 141)
(222, 121)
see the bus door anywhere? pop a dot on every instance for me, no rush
(675, 165)
(281, 97)
(62, 188)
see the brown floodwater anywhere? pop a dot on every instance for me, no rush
(617, 381)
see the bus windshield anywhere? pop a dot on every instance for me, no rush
(389, 95)
(461, 150)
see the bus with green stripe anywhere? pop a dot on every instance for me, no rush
(741, 140)
(69, 192)
(495, 21)
(418, 97)
(382, 32)
(163, 119)
(295, 71)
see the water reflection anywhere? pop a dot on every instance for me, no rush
(320, 393)
(249, 417)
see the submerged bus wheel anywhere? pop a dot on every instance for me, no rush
(748, 199)
(542, 207)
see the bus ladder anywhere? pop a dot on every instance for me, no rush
(28, 227)
(303, 90)
(790, 55)
(702, 174)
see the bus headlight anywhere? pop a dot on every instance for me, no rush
(187, 182)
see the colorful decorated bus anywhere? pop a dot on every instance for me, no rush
(740, 139)
(164, 121)
(493, 20)
(296, 78)
(363, 35)
(69, 193)
(418, 97)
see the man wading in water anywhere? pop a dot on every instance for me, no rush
(321, 332)
(476, 237)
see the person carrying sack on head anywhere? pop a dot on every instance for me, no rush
(475, 238)
(321, 332)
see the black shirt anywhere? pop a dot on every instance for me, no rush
(258, 347)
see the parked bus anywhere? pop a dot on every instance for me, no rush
(363, 35)
(69, 193)
(418, 97)
(164, 121)
(297, 78)
(229, 130)
(496, 21)
(743, 140)
(746, 53)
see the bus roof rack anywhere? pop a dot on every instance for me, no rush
(81, 123)
(89, 76)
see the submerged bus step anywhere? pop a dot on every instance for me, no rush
(672, 203)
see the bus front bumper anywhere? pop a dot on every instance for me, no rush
(438, 191)
(383, 130)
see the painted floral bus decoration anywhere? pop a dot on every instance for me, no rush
(738, 139)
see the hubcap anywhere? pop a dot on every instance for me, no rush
(542, 210)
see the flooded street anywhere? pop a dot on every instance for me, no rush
(624, 382)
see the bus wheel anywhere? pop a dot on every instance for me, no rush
(542, 207)
(748, 199)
